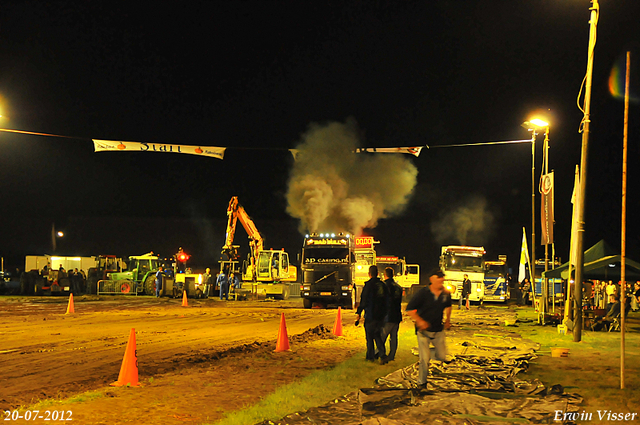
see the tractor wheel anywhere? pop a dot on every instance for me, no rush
(125, 288)
(150, 285)
(307, 303)
(92, 284)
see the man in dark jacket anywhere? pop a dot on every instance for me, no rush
(427, 308)
(394, 313)
(374, 303)
(466, 291)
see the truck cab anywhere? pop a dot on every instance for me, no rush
(328, 265)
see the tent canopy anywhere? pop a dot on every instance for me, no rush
(600, 263)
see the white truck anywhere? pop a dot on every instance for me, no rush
(407, 275)
(455, 262)
(365, 252)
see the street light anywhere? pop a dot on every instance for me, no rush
(533, 125)
(54, 236)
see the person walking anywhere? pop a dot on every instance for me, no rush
(206, 278)
(427, 309)
(223, 283)
(394, 313)
(159, 275)
(373, 301)
(466, 291)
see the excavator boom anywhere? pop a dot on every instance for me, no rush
(235, 211)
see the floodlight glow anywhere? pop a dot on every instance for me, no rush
(539, 122)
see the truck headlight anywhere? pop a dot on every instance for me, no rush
(306, 288)
(479, 289)
(345, 288)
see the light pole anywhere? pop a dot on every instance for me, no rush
(532, 126)
(54, 236)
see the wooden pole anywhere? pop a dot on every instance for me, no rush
(623, 250)
(586, 124)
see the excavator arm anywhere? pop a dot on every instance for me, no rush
(235, 211)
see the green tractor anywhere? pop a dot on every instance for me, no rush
(140, 277)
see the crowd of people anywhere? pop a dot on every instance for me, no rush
(225, 281)
(430, 310)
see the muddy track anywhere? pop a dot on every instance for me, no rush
(46, 353)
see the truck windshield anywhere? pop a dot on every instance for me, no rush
(494, 270)
(397, 268)
(463, 263)
(326, 255)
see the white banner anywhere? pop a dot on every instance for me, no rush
(113, 146)
(524, 258)
(410, 150)
(575, 196)
(413, 150)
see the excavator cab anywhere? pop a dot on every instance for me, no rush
(272, 265)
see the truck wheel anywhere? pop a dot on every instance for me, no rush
(150, 285)
(307, 303)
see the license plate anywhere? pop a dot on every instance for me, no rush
(325, 293)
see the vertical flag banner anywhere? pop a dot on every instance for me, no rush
(574, 200)
(546, 189)
(116, 146)
(524, 257)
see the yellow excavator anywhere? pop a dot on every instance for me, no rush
(269, 270)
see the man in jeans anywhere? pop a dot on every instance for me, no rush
(394, 313)
(374, 303)
(426, 309)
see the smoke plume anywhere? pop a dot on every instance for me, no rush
(333, 189)
(470, 223)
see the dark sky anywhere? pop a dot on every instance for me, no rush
(253, 75)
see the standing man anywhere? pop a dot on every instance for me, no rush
(427, 308)
(158, 281)
(394, 313)
(374, 303)
(233, 282)
(223, 283)
(206, 278)
(466, 291)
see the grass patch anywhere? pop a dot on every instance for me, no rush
(592, 368)
(322, 386)
(80, 398)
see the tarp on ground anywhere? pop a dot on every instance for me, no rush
(476, 384)
(601, 262)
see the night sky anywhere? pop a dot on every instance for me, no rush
(252, 76)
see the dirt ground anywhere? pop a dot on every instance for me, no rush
(195, 363)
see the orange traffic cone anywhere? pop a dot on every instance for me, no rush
(129, 369)
(283, 338)
(70, 305)
(337, 327)
(184, 299)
